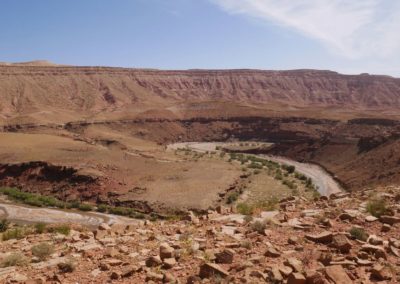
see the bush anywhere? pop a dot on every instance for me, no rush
(40, 228)
(15, 233)
(269, 204)
(246, 244)
(14, 259)
(42, 250)
(289, 169)
(67, 266)
(248, 218)
(245, 209)
(31, 198)
(85, 207)
(377, 207)
(289, 184)
(102, 208)
(4, 224)
(61, 229)
(232, 197)
(259, 227)
(359, 234)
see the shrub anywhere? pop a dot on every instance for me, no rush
(269, 205)
(359, 234)
(40, 228)
(102, 208)
(289, 184)
(14, 259)
(4, 224)
(245, 209)
(85, 207)
(232, 197)
(259, 227)
(254, 165)
(67, 266)
(42, 250)
(246, 244)
(289, 169)
(15, 233)
(377, 207)
(31, 198)
(248, 218)
(61, 229)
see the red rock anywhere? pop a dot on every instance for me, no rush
(337, 275)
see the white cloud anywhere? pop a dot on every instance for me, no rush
(351, 28)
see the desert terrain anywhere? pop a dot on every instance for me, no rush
(198, 176)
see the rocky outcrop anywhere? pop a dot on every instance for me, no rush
(87, 90)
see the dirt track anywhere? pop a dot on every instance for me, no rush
(325, 183)
(24, 214)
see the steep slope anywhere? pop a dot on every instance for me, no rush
(59, 93)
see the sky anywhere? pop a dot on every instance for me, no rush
(352, 37)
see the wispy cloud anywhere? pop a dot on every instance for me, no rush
(351, 28)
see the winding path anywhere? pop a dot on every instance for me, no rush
(323, 180)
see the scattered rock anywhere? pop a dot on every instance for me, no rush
(381, 272)
(225, 256)
(208, 270)
(324, 237)
(341, 243)
(296, 278)
(337, 275)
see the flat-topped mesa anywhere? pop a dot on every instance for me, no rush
(37, 87)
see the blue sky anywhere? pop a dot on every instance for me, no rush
(346, 36)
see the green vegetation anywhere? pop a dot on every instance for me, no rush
(48, 201)
(64, 229)
(290, 184)
(259, 227)
(377, 207)
(102, 208)
(246, 244)
(4, 224)
(67, 266)
(85, 207)
(290, 169)
(245, 208)
(31, 198)
(42, 250)
(14, 233)
(359, 234)
(14, 259)
(232, 197)
(40, 228)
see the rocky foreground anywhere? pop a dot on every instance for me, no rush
(328, 240)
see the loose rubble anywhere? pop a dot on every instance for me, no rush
(306, 241)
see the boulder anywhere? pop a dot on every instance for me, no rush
(272, 252)
(381, 272)
(341, 243)
(225, 256)
(166, 251)
(324, 237)
(337, 275)
(153, 261)
(169, 263)
(208, 270)
(296, 278)
(391, 220)
(294, 263)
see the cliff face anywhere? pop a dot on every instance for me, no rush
(68, 93)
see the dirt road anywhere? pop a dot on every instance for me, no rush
(323, 180)
(25, 214)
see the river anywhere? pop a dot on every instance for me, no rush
(323, 180)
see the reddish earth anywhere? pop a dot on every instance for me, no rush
(349, 124)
